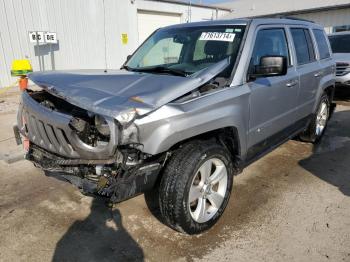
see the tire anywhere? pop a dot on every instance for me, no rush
(183, 175)
(318, 124)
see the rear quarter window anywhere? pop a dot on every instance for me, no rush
(322, 44)
(304, 48)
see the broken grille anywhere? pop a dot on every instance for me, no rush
(47, 136)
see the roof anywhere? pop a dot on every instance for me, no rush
(257, 21)
(211, 23)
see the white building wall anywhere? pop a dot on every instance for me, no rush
(249, 8)
(89, 31)
(196, 14)
(338, 12)
(329, 18)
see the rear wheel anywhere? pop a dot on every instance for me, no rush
(318, 124)
(195, 187)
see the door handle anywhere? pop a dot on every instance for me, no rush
(318, 74)
(292, 83)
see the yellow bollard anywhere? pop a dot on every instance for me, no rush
(21, 68)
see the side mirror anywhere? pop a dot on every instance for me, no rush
(270, 66)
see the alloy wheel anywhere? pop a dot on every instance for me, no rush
(321, 118)
(208, 190)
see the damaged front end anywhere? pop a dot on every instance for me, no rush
(115, 179)
(96, 153)
(86, 127)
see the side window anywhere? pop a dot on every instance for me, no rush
(270, 42)
(322, 45)
(310, 45)
(304, 48)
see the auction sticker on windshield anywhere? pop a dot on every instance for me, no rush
(217, 36)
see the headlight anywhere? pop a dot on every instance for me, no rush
(102, 125)
(127, 116)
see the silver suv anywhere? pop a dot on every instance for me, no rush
(193, 106)
(340, 43)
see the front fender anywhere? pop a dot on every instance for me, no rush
(176, 122)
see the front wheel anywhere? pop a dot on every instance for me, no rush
(318, 124)
(195, 187)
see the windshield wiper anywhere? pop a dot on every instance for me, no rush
(127, 68)
(161, 69)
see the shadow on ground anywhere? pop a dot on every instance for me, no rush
(99, 237)
(331, 157)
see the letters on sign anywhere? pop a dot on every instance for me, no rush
(51, 38)
(36, 37)
(217, 36)
(42, 37)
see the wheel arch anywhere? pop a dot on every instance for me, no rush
(327, 85)
(228, 137)
(329, 90)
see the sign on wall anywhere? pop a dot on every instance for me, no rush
(43, 37)
(125, 38)
(36, 37)
(50, 37)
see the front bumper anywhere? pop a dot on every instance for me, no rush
(51, 130)
(343, 80)
(117, 184)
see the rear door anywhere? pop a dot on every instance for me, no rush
(308, 69)
(326, 62)
(273, 99)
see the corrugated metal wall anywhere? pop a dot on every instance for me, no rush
(89, 31)
(80, 30)
(253, 8)
(329, 18)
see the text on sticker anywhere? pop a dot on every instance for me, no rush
(217, 36)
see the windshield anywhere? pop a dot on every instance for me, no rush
(340, 43)
(187, 50)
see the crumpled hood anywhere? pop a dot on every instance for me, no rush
(109, 93)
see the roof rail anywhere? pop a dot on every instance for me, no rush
(296, 18)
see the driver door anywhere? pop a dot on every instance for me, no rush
(273, 101)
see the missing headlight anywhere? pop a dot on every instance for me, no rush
(102, 125)
(92, 130)
(78, 124)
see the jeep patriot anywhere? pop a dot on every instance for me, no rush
(193, 106)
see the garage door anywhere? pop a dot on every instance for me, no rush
(148, 22)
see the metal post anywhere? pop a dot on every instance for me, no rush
(53, 67)
(37, 48)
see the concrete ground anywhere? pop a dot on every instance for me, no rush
(292, 205)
